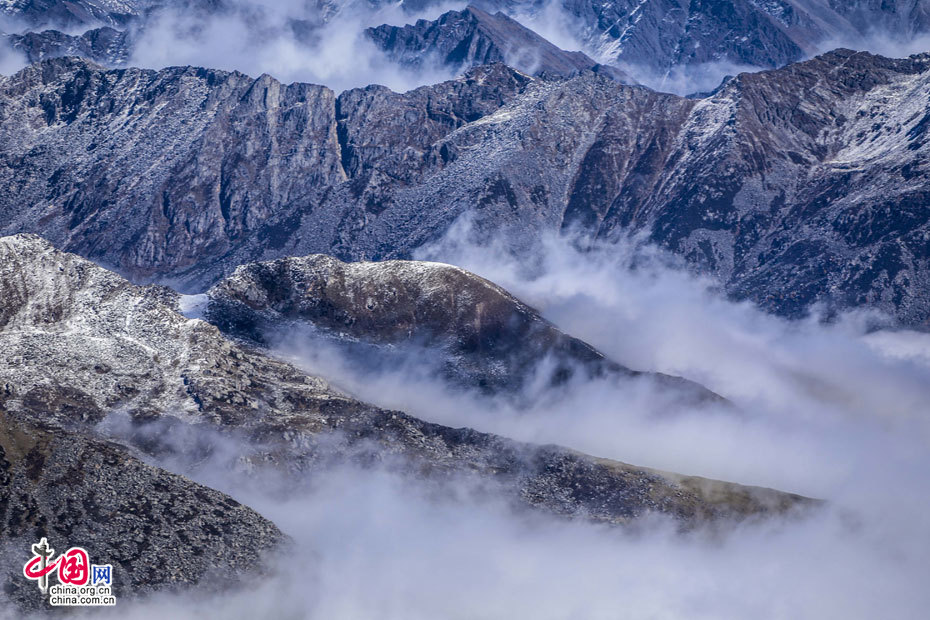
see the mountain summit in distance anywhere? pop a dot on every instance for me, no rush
(464, 39)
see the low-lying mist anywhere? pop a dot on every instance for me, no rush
(330, 47)
(368, 544)
(828, 410)
(292, 40)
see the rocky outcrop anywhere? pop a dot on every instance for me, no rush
(158, 530)
(471, 37)
(78, 343)
(474, 333)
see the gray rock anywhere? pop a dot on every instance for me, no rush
(103, 45)
(70, 13)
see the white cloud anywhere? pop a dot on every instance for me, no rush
(825, 410)
(11, 60)
(260, 37)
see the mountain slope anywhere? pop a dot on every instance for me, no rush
(76, 489)
(107, 346)
(149, 167)
(104, 45)
(70, 13)
(473, 332)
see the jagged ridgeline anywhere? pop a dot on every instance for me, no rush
(472, 37)
(797, 186)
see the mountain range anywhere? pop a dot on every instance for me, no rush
(649, 36)
(796, 187)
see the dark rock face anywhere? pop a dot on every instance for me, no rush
(105, 343)
(78, 490)
(103, 45)
(211, 116)
(476, 333)
(798, 186)
(175, 185)
(464, 39)
(385, 137)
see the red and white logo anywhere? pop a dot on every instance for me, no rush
(80, 583)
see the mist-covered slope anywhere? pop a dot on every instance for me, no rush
(182, 174)
(464, 39)
(122, 360)
(70, 485)
(473, 333)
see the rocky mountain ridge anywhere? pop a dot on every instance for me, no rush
(651, 36)
(775, 176)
